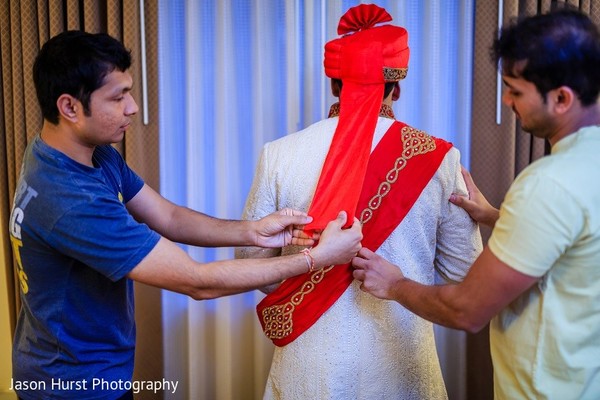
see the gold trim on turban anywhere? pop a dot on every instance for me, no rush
(394, 74)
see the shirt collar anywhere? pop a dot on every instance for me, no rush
(385, 111)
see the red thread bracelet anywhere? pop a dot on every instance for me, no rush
(310, 261)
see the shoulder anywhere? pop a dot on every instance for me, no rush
(107, 153)
(318, 128)
(415, 136)
(433, 150)
(416, 141)
(541, 188)
(552, 169)
(319, 133)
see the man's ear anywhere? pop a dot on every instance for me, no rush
(335, 88)
(396, 92)
(68, 107)
(563, 98)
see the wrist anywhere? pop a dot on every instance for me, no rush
(317, 257)
(310, 260)
(492, 216)
(398, 289)
(249, 233)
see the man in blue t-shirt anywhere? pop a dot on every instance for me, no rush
(84, 226)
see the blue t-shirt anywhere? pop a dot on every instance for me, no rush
(74, 242)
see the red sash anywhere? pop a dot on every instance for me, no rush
(399, 168)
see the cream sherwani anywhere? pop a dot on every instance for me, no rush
(362, 347)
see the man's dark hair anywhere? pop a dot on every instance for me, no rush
(561, 48)
(389, 86)
(75, 63)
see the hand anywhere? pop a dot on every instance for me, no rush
(282, 228)
(378, 276)
(337, 245)
(476, 205)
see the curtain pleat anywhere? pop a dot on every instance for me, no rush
(114, 27)
(7, 159)
(94, 17)
(54, 20)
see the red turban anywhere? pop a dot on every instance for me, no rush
(364, 59)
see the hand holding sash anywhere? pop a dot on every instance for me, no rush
(282, 228)
(379, 277)
(338, 245)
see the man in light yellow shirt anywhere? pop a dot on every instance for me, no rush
(538, 279)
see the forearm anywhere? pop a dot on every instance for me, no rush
(169, 267)
(184, 225)
(336, 246)
(237, 276)
(469, 305)
(198, 229)
(259, 252)
(489, 287)
(440, 304)
(490, 216)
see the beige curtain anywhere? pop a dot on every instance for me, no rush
(24, 26)
(499, 152)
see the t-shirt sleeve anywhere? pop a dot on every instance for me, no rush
(104, 236)
(538, 221)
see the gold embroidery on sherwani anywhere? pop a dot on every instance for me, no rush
(415, 142)
(277, 319)
(384, 111)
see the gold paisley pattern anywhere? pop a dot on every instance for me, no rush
(415, 142)
(277, 319)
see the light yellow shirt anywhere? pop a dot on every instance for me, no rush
(546, 344)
